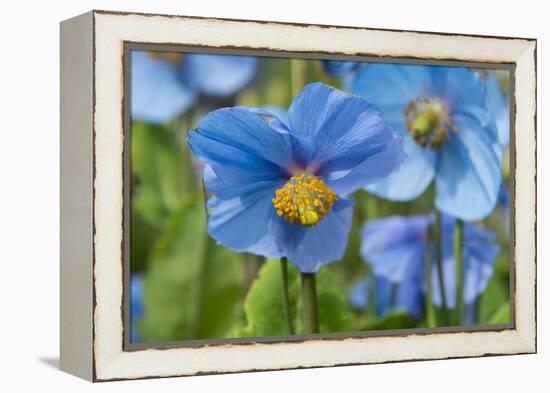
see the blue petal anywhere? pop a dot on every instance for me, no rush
(410, 297)
(308, 248)
(353, 145)
(219, 75)
(412, 178)
(391, 87)
(469, 176)
(157, 93)
(461, 90)
(229, 190)
(241, 147)
(136, 307)
(395, 247)
(499, 105)
(406, 296)
(243, 224)
(275, 116)
(336, 68)
(479, 255)
(359, 296)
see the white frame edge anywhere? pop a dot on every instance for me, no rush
(111, 30)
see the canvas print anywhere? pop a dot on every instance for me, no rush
(278, 197)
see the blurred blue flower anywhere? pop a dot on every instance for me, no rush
(504, 204)
(499, 105)
(279, 190)
(389, 296)
(164, 85)
(340, 68)
(396, 248)
(449, 135)
(136, 307)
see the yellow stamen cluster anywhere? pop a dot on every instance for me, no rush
(304, 199)
(428, 122)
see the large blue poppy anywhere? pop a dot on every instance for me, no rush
(164, 85)
(396, 248)
(279, 190)
(449, 134)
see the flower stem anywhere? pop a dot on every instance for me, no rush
(459, 270)
(309, 298)
(286, 301)
(439, 265)
(372, 207)
(371, 296)
(430, 309)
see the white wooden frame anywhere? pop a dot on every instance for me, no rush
(92, 142)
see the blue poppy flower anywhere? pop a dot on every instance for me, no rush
(279, 190)
(396, 248)
(389, 296)
(340, 68)
(449, 135)
(164, 85)
(136, 307)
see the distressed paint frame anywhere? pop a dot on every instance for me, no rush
(93, 90)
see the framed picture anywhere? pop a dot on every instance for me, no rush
(245, 195)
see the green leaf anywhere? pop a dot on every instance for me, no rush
(192, 288)
(398, 319)
(493, 299)
(157, 163)
(142, 238)
(501, 316)
(264, 307)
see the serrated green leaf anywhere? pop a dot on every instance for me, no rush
(264, 303)
(192, 288)
(157, 162)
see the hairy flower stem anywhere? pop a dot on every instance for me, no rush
(309, 299)
(459, 270)
(438, 233)
(286, 301)
(430, 309)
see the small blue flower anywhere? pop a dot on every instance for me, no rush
(499, 105)
(136, 307)
(449, 135)
(279, 190)
(340, 68)
(164, 85)
(396, 248)
(389, 296)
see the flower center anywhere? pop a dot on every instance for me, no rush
(305, 199)
(428, 122)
